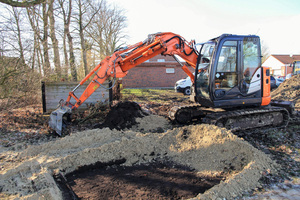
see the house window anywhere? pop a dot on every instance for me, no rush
(161, 60)
(170, 70)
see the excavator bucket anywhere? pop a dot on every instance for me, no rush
(56, 118)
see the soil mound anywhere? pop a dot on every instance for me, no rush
(151, 124)
(27, 172)
(289, 90)
(123, 115)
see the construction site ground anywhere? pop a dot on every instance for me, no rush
(147, 157)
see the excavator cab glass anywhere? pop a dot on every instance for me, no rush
(296, 68)
(229, 72)
(202, 72)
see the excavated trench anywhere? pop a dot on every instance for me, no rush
(158, 179)
(155, 180)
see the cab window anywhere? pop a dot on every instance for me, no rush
(226, 75)
(251, 58)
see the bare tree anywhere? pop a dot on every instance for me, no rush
(66, 26)
(33, 18)
(46, 66)
(86, 12)
(14, 26)
(37, 15)
(54, 40)
(16, 14)
(17, 79)
(114, 32)
(98, 25)
(106, 30)
(67, 11)
(34, 23)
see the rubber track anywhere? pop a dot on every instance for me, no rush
(174, 110)
(215, 118)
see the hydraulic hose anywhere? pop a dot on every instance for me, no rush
(181, 44)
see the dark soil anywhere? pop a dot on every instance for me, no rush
(122, 116)
(282, 144)
(157, 180)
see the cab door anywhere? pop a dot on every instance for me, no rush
(251, 77)
(236, 75)
(227, 67)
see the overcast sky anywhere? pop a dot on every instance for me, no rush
(277, 22)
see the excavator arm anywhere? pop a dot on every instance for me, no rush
(121, 61)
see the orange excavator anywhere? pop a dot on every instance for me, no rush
(228, 75)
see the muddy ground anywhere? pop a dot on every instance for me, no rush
(159, 179)
(149, 158)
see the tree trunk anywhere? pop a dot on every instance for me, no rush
(34, 51)
(40, 59)
(83, 53)
(34, 22)
(72, 57)
(67, 35)
(46, 66)
(17, 20)
(66, 58)
(82, 41)
(54, 40)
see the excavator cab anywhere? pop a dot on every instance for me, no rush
(296, 67)
(229, 73)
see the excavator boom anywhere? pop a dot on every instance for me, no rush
(122, 60)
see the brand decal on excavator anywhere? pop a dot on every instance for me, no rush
(95, 87)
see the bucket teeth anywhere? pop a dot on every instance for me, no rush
(55, 121)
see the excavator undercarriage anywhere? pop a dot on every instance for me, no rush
(238, 119)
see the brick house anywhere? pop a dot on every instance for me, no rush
(157, 72)
(280, 64)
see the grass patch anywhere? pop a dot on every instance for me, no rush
(152, 95)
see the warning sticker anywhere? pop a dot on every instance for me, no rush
(95, 87)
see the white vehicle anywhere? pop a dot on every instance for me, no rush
(279, 81)
(184, 86)
(288, 76)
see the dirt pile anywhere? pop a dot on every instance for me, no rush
(289, 90)
(122, 115)
(152, 124)
(129, 115)
(209, 150)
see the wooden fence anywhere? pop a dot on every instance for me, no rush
(52, 93)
